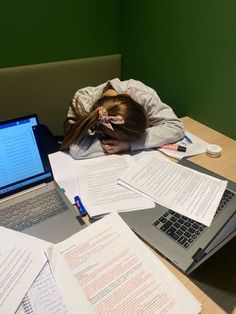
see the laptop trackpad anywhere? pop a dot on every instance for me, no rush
(63, 225)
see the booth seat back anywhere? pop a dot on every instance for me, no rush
(47, 89)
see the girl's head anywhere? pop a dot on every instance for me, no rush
(117, 117)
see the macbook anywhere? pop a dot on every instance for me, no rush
(183, 241)
(30, 199)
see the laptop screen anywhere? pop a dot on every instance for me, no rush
(23, 163)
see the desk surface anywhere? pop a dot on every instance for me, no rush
(226, 164)
(214, 283)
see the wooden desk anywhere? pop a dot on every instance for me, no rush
(226, 164)
(213, 284)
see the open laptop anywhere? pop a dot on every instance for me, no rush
(183, 241)
(30, 199)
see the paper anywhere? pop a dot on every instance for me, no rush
(198, 146)
(21, 310)
(148, 152)
(107, 269)
(98, 186)
(186, 191)
(21, 259)
(44, 296)
(64, 172)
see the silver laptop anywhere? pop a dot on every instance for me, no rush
(183, 241)
(30, 199)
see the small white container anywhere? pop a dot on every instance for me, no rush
(213, 150)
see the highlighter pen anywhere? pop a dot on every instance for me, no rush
(80, 206)
(187, 138)
(174, 147)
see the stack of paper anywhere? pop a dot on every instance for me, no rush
(184, 190)
(105, 268)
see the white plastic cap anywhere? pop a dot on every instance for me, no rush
(213, 150)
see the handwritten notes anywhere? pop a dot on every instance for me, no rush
(44, 296)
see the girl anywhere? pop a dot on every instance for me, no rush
(118, 117)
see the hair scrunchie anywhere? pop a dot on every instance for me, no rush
(106, 120)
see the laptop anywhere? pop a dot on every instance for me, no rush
(183, 241)
(30, 200)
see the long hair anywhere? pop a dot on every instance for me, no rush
(133, 114)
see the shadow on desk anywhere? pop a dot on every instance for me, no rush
(217, 277)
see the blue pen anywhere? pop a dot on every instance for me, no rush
(80, 206)
(187, 138)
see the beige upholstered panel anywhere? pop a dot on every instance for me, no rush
(46, 89)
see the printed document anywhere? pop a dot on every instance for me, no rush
(64, 171)
(21, 259)
(186, 191)
(99, 191)
(105, 268)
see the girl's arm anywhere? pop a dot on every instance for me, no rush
(89, 147)
(164, 128)
(87, 96)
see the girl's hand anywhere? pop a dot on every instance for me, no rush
(114, 146)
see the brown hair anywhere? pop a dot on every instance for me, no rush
(134, 115)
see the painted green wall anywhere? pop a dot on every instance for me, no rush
(51, 30)
(186, 50)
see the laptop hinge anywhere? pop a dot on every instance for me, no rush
(198, 255)
(23, 192)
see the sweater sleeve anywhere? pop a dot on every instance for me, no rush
(165, 127)
(87, 147)
(87, 96)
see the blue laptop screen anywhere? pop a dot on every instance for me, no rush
(21, 160)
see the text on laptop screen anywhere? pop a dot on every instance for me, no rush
(20, 160)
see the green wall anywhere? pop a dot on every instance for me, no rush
(186, 50)
(41, 31)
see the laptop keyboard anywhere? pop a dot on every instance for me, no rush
(183, 230)
(32, 211)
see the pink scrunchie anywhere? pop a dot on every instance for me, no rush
(106, 120)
